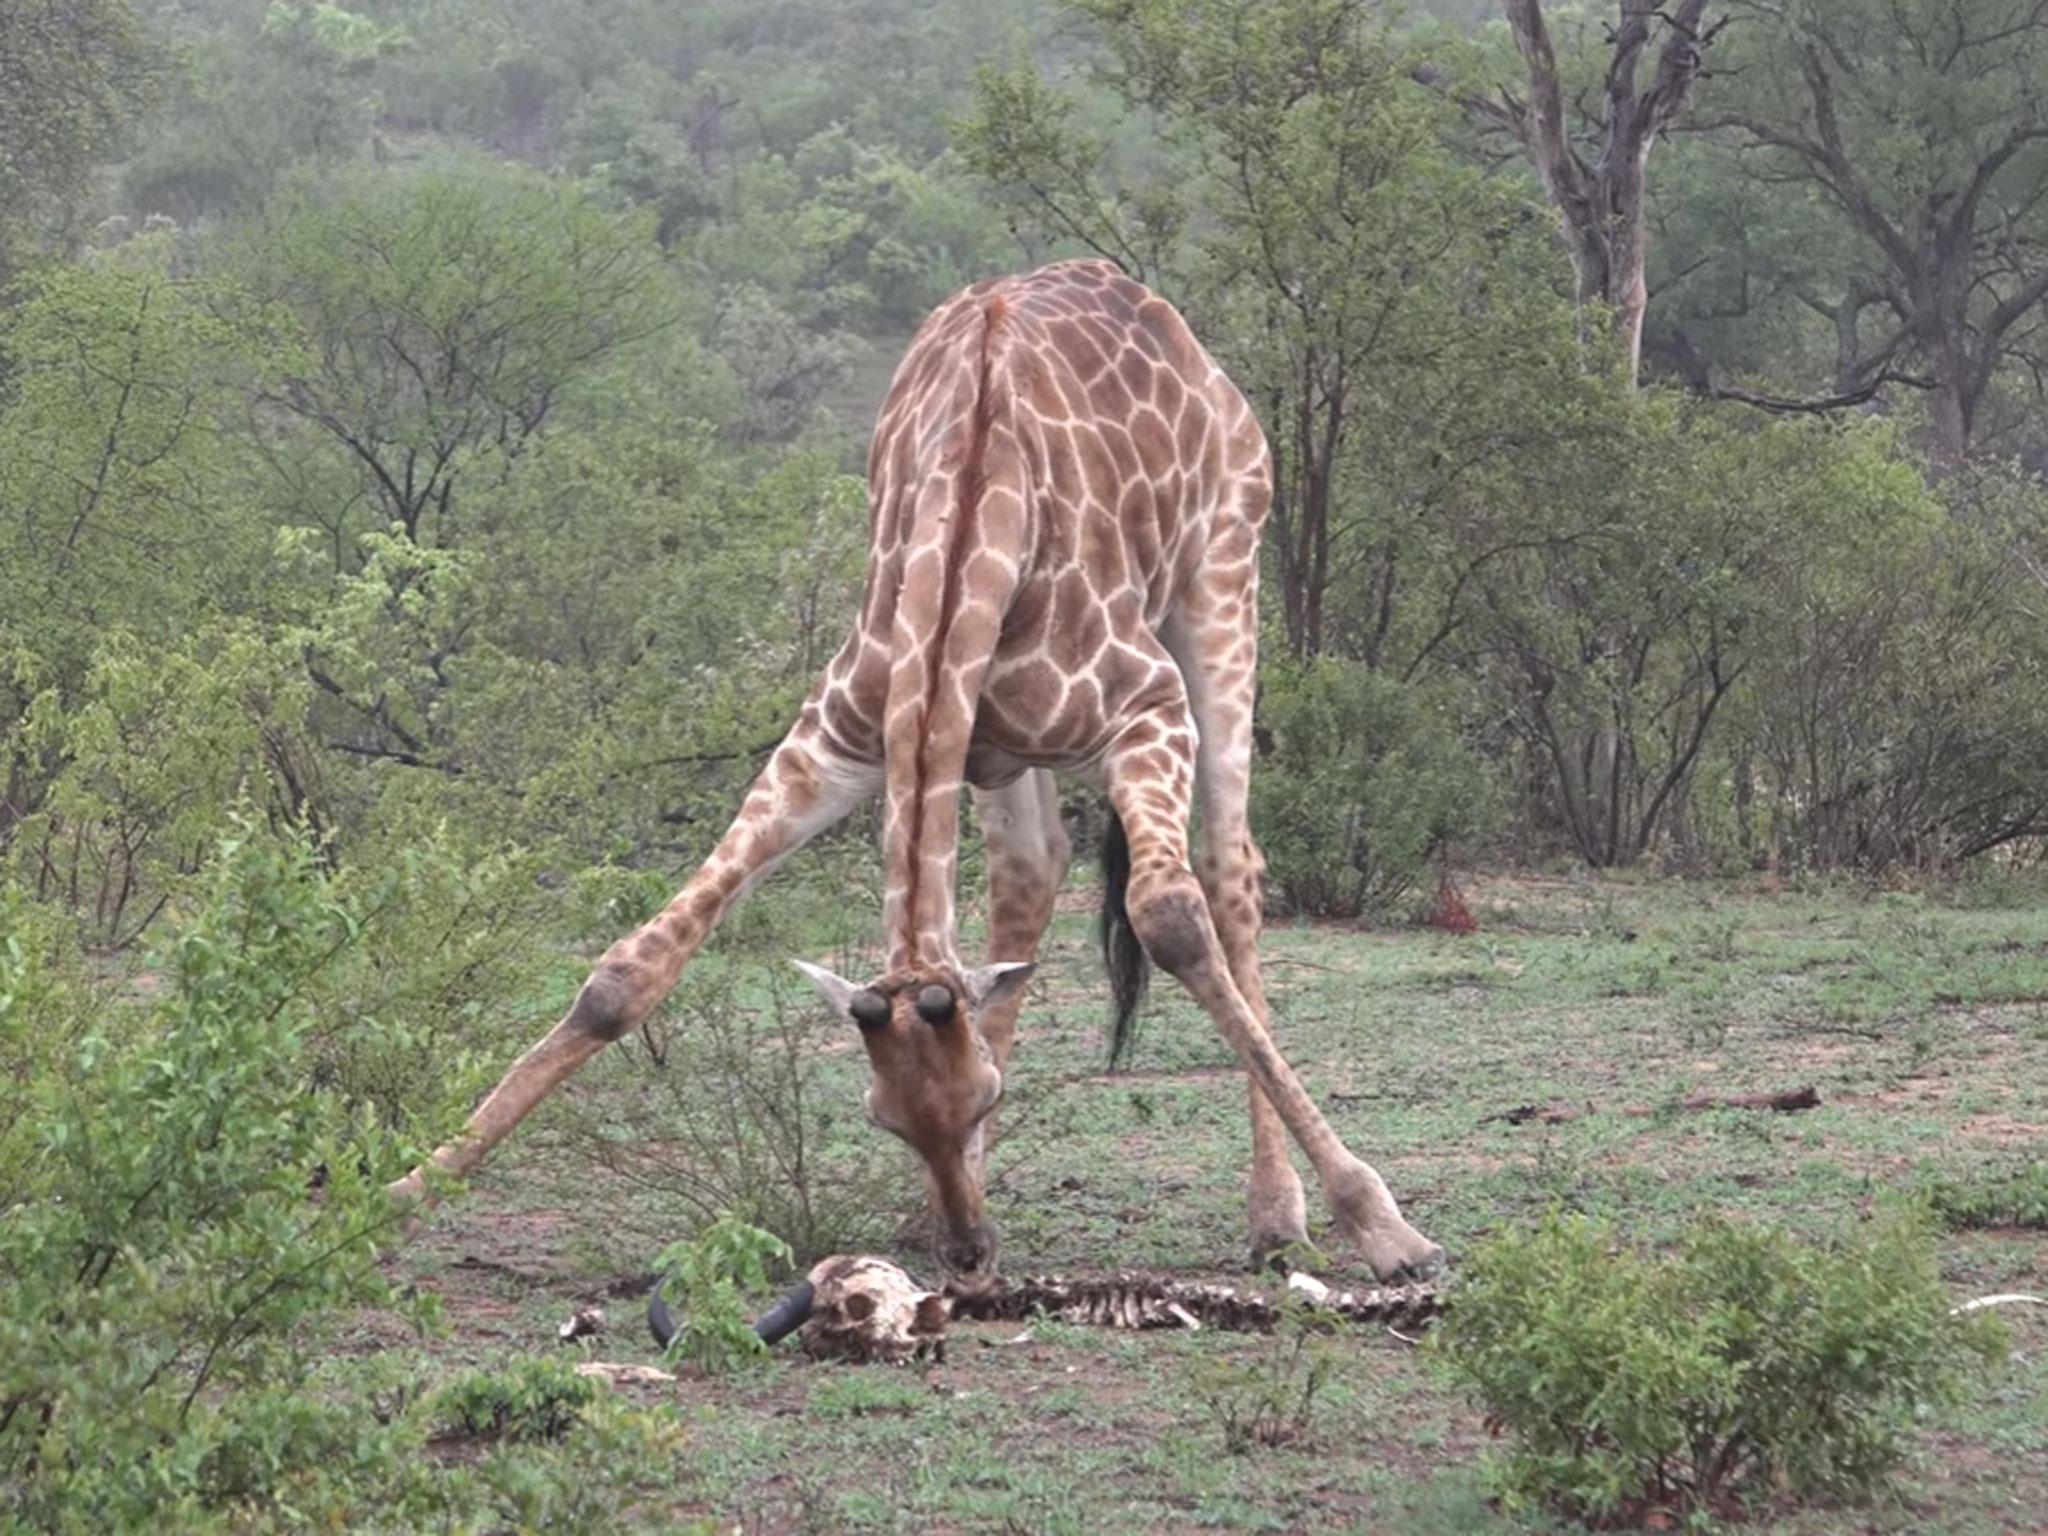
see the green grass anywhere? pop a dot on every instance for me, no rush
(1921, 1021)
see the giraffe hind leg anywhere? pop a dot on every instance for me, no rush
(1213, 639)
(804, 789)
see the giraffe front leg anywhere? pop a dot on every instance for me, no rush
(804, 789)
(1026, 850)
(1150, 784)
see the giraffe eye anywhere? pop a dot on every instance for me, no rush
(935, 1004)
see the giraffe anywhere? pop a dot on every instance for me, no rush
(1066, 494)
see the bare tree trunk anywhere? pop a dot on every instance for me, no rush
(1601, 200)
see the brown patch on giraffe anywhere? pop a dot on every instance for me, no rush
(1102, 553)
(1079, 719)
(1071, 595)
(1109, 397)
(1032, 692)
(1157, 320)
(1078, 349)
(1136, 373)
(1153, 439)
(1063, 462)
(1167, 392)
(1143, 535)
(1098, 470)
(1122, 672)
(1028, 607)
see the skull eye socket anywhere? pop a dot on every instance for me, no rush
(869, 1008)
(935, 1004)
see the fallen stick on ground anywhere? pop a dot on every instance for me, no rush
(2009, 1299)
(1787, 1101)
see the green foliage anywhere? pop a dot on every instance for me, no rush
(706, 1281)
(300, 87)
(751, 1114)
(184, 1200)
(455, 305)
(111, 453)
(1914, 124)
(1366, 779)
(73, 78)
(1269, 1397)
(534, 1398)
(2011, 1197)
(154, 744)
(1746, 1361)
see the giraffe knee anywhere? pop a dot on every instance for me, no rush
(603, 1008)
(1171, 918)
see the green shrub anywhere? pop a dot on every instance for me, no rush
(1746, 1360)
(342, 1451)
(2013, 1197)
(1269, 1397)
(181, 1202)
(706, 1281)
(752, 1112)
(531, 1399)
(1366, 779)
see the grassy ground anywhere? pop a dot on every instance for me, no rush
(1922, 1023)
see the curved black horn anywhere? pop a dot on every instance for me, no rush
(788, 1314)
(771, 1327)
(659, 1322)
(935, 1004)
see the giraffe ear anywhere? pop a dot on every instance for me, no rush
(835, 989)
(989, 984)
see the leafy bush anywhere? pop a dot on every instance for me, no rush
(1367, 778)
(2014, 1197)
(344, 1451)
(752, 1114)
(1746, 1360)
(1270, 1398)
(531, 1399)
(706, 1281)
(182, 1199)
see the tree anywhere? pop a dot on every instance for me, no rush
(447, 313)
(299, 87)
(112, 464)
(1363, 285)
(73, 76)
(1615, 632)
(1595, 171)
(1923, 127)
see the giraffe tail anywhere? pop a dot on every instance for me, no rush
(1129, 967)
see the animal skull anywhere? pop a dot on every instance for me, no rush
(868, 1309)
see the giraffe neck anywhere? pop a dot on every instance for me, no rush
(963, 551)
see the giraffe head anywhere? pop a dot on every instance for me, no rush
(934, 1082)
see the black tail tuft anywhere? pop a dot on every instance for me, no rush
(1130, 968)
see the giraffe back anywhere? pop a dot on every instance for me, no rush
(1056, 458)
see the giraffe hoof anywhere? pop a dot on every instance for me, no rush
(1276, 1253)
(1415, 1271)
